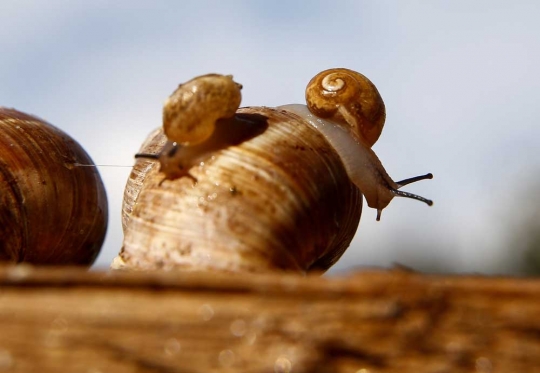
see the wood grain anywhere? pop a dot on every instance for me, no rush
(69, 320)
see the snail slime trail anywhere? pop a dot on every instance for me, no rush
(277, 189)
(99, 165)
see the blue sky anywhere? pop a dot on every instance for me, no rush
(460, 81)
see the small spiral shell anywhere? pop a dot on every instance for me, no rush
(190, 113)
(348, 97)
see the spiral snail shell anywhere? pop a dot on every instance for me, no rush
(191, 112)
(348, 97)
(269, 189)
(51, 211)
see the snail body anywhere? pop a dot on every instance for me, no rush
(51, 211)
(362, 164)
(286, 194)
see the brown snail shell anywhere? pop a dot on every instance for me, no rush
(190, 113)
(51, 211)
(348, 97)
(281, 200)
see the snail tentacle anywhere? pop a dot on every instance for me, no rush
(411, 180)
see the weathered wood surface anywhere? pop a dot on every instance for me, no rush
(68, 320)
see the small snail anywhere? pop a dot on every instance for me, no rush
(269, 189)
(191, 112)
(51, 212)
(352, 106)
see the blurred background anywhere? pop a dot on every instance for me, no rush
(460, 81)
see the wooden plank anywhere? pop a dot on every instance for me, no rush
(69, 320)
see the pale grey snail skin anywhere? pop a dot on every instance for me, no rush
(362, 164)
(277, 195)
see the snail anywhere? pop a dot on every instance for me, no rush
(269, 189)
(191, 112)
(51, 211)
(355, 115)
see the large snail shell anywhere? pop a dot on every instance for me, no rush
(278, 201)
(51, 211)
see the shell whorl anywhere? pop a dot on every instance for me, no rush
(332, 83)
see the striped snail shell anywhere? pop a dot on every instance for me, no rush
(51, 211)
(270, 189)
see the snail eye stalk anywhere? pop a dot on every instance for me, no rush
(399, 193)
(147, 156)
